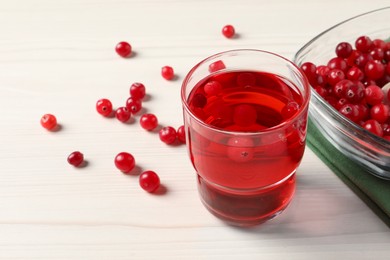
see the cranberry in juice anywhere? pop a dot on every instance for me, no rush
(247, 154)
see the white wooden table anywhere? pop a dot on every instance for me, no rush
(58, 57)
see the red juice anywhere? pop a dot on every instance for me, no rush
(246, 163)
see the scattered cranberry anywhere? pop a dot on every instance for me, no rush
(374, 69)
(133, 105)
(199, 100)
(49, 121)
(374, 95)
(168, 135)
(167, 72)
(363, 43)
(374, 127)
(181, 135)
(123, 49)
(104, 107)
(76, 159)
(380, 113)
(125, 162)
(212, 88)
(228, 31)
(343, 50)
(137, 90)
(123, 114)
(149, 181)
(148, 122)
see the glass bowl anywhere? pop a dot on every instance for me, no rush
(363, 147)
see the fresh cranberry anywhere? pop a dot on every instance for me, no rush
(379, 43)
(244, 115)
(322, 70)
(341, 87)
(374, 95)
(363, 44)
(133, 105)
(374, 69)
(354, 73)
(216, 66)
(123, 49)
(48, 121)
(321, 91)
(104, 107)
(337, 63)
(388, 68)
(199, 100)
(380, 112)
(374, 127)
(137, 90)
(310, 71)
(334, 76)
(148, 122)
(123, 114)
(228, 31)
(168, 135)
(341, 102)
(363, 112)
(149, 181)
(343, 49)
(167, 72)
(350, 111)
(125, 162)
(181, 134)
(212, 88)
(377, 54)
(363, 59)
(355, 92)
(386, 129)
(76, 159)
(351, 60)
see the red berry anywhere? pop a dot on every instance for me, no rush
(123, 49)
(125, 162)
(350, 111)
(104, 107)
(374, 95)
(137, 90)
(310, 71)
(181, 135)
(343, 49)
(377, 54)
(167, 72)
(354, 73)
(334, 76)
(341, 87)
(337, 63)
(217, 65)
(133, 105)
(228, 31)
(212, 88)
(48, 121)
(380, 113)
(363, 43)
(76, 158)
(355, 92)
(374, 127)
(149, 181)
(168, 135)
(374, 69)
(148, 122)
(123, 114)
(199, 100)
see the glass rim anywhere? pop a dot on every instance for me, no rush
(306, 96)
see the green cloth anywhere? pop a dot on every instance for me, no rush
(375, 192)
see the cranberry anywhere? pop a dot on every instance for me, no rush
(374, 127)
(240, 149)
(363, 112)
(133, 105)
(386, 129)
(374, 69)
(377, 54)
(337, 63)
(48, 121)
(379, 43)
(343, 49)
(123, 114)
(322, 70)
(167, 73)
(104, 107)
(125, 162)
(388, 68)
(354, 73)
(137, 90)
(123, 49)
(217, 65)
(363, 44)
(149, 181)
(351, 60)
(148, 122)
(199, 100)
(350, 111)
(181, 135)
(374, 95)
(228, 31)
(212, 88)
(341, 87)
(76, 159)
(334, 76)
(341, 102)
(310, 71)
(321, 91)
(380, 112)
(362, 60)
(355, 92)
(168, 135)
(244, 115)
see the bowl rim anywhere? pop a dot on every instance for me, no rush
(323, 102)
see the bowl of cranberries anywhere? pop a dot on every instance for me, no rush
(348, 67)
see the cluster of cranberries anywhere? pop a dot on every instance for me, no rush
(356, 82)
(125, 161)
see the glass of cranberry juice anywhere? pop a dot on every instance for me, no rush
(245, 115)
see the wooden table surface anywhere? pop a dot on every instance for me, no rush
(58, 57)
